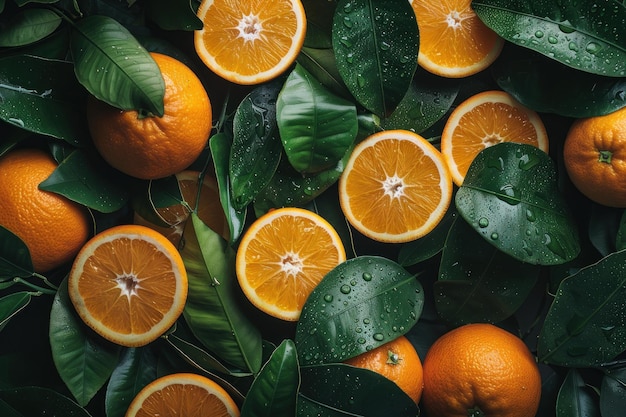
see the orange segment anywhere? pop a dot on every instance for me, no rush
(129, 284)
(454, 42)
(283, 256)
(250, 41)
(395, 187)
(183, 394)
(483, 120)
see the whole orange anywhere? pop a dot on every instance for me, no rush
(150, 147)
(398, 361)
(480, 368)
(594, 155)
(53, 227)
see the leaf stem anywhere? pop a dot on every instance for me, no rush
(37, 288)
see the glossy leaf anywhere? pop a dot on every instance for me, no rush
(14, 256)
(173, 14)
(211, 310)
(510, 197)
(620, 239)
(113, 66)
(12, 304)
(376, 44)
(84, 360)
(361, 304)
(38, 401)
(321, 64)
(339, 390)
(256, 149)
(29, 26)
(274, 390)
(586, 323)
(583, 34)
(576, 398)
(613, 392)
(316, 127)
(319, 17)
(426, 247)
(45, 99)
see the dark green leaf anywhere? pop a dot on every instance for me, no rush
(575, 398)
(586, 324)
(340, 390)
(45, 99)
(84, 360)
(173, 15)
(510, 197)
(12, 304)
(376, 46)
(211, 310)
(316, 127)
(426, 247)
(319, 17)
(114, 67)
(584, 34)
(38, 402)
(321, 64)
(275, 388)
(14, 256)
(256, 148)
(28, 26)
(613, 392)
(481, 285)
(359, 305)
(620, 240)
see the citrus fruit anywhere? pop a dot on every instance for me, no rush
(483, 120)
(250, 41)
(454, 42)
(480, 368)
(395, 187)
(129, 284)
(53, 227)
(398, 361)
(208, 208)
(282, 257)
(182, 394)
(148, 146)
(594, 155)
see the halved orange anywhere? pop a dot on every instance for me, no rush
(454, 42)
(395, 187)
(483, 120)
(282, 257)
(185, 395)
(129, 284)
(250, 41)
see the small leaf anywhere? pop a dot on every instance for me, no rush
(575, 398)
(586, 323)
(585, 35)
(510, 197)
(319, 16)
(14, 256)
(620, 239)
(173, 14)
(274, 390)
(321, 64)
(613, 392)
(38, 401)
(376, 45)
(359, 305)
(114, 67)
(12, 304)
(29, 26)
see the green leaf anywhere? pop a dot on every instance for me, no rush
(114, 67)
(12, 304)
(211, 311)
(84, 360)
(585, 34)
(29, 26)
(510, 196)
(316, 127)
(319, 17)
(376, 45)
(613, 392)
(481, 285)
(426, 247)
(274, 390)
(321, 64)
(586, 323)
(45, 99)
(38, 401)
(575, 398)
(361, 304)
(173, 14)
(620, 239)
(256, 148)
(14, 256)
(339, 390)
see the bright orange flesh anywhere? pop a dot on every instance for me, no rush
(283, 256)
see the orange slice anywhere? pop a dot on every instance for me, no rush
(454, 42)
(282, 257)
(483, 120)
(183, 394)
(250, 41)
(129, 284)
(395, 187)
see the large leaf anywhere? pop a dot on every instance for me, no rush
(29, 26)
(14, 256)
(576, 398)
(510, 197)
(275, 388)
(586, 34)
(45, 99)
(84, 360)
(586, 323)
(376, 44)
(316, 127)
(359, 305)
(211, 309)
(321, 64)
(111, 63)
(37, 401)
